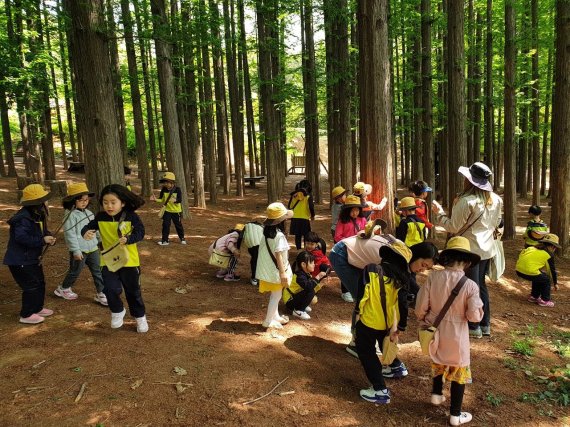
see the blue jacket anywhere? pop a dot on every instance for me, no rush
(26, 239)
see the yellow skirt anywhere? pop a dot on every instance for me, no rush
(461, 375)
(269, 287)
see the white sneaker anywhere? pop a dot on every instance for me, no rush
(303, 315)
(282, 319)
(65, 293)
(437, 399)
(347, 297)
(273, 324)
(117, 319)
(183, 242)
(308, 309)
(464, 418)
(161, 243)
(142, 324)
(101, 298)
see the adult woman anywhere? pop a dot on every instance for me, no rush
(476, 214)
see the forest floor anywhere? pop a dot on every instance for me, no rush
(209, 331)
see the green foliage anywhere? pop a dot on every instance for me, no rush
(511, 363)
(561, 343)
(524, 347)
(556, 391)
(494, 399)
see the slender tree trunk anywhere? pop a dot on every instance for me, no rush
(477, 90)
(470, 80)
(417, 150)
(427, 129)
(547, 98)
(489, 109)
(535, 109)
(6, 135)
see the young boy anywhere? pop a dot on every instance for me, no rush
(411, 229)
(535, 228)
(316, 247)
(171, 198)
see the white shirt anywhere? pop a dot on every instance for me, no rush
(266, 268)
(252, 235)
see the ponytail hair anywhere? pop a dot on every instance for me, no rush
(303, 256)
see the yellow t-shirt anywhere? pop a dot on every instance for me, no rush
(371, 313)
(301, 203)
(532, 260)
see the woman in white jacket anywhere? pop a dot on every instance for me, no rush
(476, 215)
(81, 252)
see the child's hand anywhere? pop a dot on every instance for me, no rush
(382, 203)
(284, 280)
(89, 234)
(50, 240)
(123, 240)
(436, 208)
(153, 197)
(78, 257)
(394, 335)
(321, 275)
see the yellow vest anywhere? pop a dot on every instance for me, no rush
(532, 260)
(301, 203)
(109, 236)
(294, 289)
(371, 313)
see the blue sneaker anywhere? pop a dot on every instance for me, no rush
(399, 371)
(375, 396)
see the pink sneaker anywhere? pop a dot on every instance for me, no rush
(32, 320)
(232, 278)
(532, 299)
(45, 312)
(65, 293)
(543, 303)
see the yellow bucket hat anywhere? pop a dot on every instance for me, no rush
(461, 244)
(239, 227)
(338, 191)
(277, 213)
(407, 203)
(359, 188)
(167, 177)
(352, 202)
(551, 239)
(372, 226)
(397, 247)
(77, 189)
(34, 194)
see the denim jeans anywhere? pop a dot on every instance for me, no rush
(347, 274)
(31, 279)
(93, 261)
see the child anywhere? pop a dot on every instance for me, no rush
(118, 223)
(363, 190)
(81, 252)
(273, 269)
(350, 222)
(28, 236)
(535, 228)
(301, 203)
(420, 190)
(449, 351)
(230, 245)
(316, 247)
(304, 286)
(536, 263)
(171, 198)
(411, 229)
(339, 196)
(388, 280)
(252, 236)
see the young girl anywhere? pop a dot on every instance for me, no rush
(81, 251)
(301, 203)
(273, 269)
(419, 191)
(118, 222)
(304, 286)
(339, 196)
(449, 351)
(536, 263)
(536, 228)
(28, 236)
(171, 198)
(350, 222)
(252, 237)
(390, 279)
(230, 245)
(316, 247)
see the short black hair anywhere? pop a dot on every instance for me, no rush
(424, 250)
(535, 210)
(131, 200)
(418, 187)
(303, 256)
(344, 215)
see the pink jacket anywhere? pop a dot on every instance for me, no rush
(348, 229)
(451, 344)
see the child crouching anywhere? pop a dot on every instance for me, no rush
(229, 244)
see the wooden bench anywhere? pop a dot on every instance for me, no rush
(79, 167)
(297, 165)
(252, 180)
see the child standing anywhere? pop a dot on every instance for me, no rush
(28, 236)
(118, 223)
(301, 203)
(536, 228)
(316, 247)
(171, 198)
(229, 244)
(363, 190)
(339, 196)
(252, 237)
(536, 263)
(81, 252)
(273, 269)
(411, 229)
(420, 190)
(304, 286)
(383, 312)
(449, 351)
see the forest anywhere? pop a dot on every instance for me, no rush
(380, 91)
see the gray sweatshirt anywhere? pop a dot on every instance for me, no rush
(72, 232)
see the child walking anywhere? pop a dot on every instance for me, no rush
(536, 263)
(81, 252)
(171, 198)
(411, 229)
(536, 228)
(339, 196)
(118, 223)
(301, 203)
(304, 286)
(28, 236)
(317, 248)
(229, 244)
(383, 312)
(273, 269)
(449, 351)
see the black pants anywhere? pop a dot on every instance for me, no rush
(457, 391)
(366, 339)
(127, 278)
(301, 300)
(31, 279)
(176, 218)
(477, 274)
(540, 285)
(253, 252)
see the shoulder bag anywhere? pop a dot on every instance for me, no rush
(218, 258)
(163, 208)
(389, 348)
(117, 256)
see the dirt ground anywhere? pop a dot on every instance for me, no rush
(212, 330)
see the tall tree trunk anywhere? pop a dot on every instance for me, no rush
(535, 108)
(344, 89)
(374, 84)
(560, 179)
(417, 150)
(470, 80)
(547, 100)
(427, 128)
(477, 90)
(510, 196)
(489, 109)
(6, 135)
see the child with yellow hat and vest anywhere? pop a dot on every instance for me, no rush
(338, 195)
(536, 264)
(81, 252)
(301, 203)
(171, 198)
(411, 230)
(229, 244)
(28, 236)
(363, 190)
